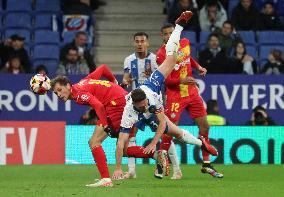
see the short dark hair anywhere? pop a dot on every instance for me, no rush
(138, 95)
(212, 3)
(142, 33)
(213, 35)
(167, 25)
(268, 3)
(62, 80)
(71, 47)
(80, 33)
(230, 23)
(41, 67)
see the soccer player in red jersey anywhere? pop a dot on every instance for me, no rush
(107, 99)
(182, 93)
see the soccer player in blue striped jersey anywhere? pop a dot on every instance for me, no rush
(137, 68)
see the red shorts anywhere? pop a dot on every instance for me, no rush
(175, 104)
(114, 110)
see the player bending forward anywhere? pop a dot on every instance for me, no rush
(144, 106)
(107, 99)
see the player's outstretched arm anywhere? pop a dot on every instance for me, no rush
(160, 130)
(120, 145)
(102, 71)
(202, 71)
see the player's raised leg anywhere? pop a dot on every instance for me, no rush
(99, 156)
(173, 43)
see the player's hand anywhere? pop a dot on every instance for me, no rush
(150, 148)
(202, 71)
(118, 174)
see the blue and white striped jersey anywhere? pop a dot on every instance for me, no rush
(136, 67)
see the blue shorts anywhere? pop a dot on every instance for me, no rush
(155, 81)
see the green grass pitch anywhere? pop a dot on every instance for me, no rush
(70, 180)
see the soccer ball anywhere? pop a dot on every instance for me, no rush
(40, 84)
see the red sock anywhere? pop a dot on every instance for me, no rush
(100, 159)
(137, 152)
(205, 154)
(166, 142)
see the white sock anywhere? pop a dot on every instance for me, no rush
(173, 42)
(131, 160)
(173, 157)
(188, 138)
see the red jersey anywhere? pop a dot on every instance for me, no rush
(182, 69)
(97, 93)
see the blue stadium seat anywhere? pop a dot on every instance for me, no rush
(251, 50)
(21, 32)
(51, 65)
(265, 50)
(248, 37)
(44, 6)
(46, 52)
(231, 6)
(43, 21)
(18, 20)
(190, 35)
(204, 36)
(69, 36)
(271, 37)
(19, 6)
(193, 52)
(46, 37)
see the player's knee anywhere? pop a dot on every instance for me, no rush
(94, 143)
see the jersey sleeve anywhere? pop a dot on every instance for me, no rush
(126, 66)
(129, 118)
(86, 98)
(194, 63)
(102, 71)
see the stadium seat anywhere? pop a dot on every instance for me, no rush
(193, 52)
(19, 6)
(248, 37)
(46, 52)
(251, 50)
(231, 5)
(18, 20)
(43, 21)
(46, 37)
(51, 65)
(21, 32)
(190, 35)
(44, 6)
(203, 37)
(271, 37)
(69, 36)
